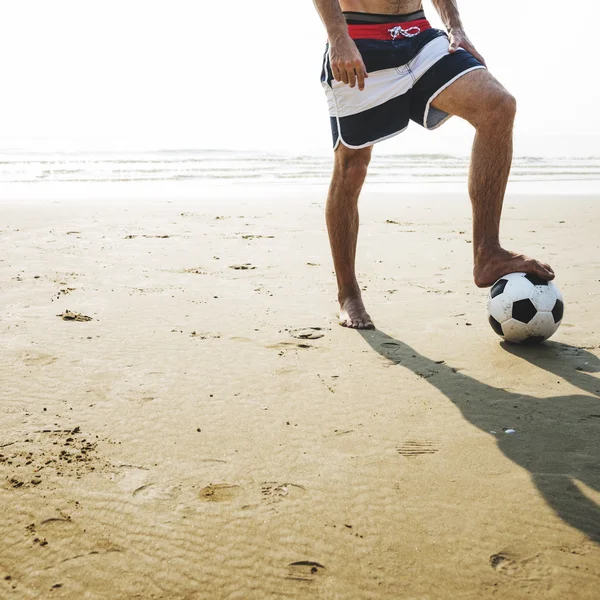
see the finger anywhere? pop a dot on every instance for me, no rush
(479, 58)
(351, 78)
(469, 48)
(343, 73)
(335, 71)
(454, 45)
(360, 76)
(351, 74)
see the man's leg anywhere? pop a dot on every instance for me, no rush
(481, 100)
(349, 172)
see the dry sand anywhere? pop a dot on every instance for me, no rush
(212, 432)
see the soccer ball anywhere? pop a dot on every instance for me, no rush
(524, 309)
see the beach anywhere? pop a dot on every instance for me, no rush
(183, 418)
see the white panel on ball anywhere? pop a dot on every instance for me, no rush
(542, 324)
(517, 288)
(543, 297)
(515, 331)
(500, 308)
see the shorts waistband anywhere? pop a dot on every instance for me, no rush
(362, 18)
(388, 31)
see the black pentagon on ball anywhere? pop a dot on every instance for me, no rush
(535, 279)
(523, 310)
(498, 287)
(496, 326)
(532, 340)
(558, 311)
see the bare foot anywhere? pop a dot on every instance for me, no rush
(492, 263)
(354, 315)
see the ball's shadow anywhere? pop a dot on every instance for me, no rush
(571, 363)
(558, 437)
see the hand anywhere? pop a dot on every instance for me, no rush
(459, 39)
(346, 62)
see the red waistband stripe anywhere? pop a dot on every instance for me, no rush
(388, 31)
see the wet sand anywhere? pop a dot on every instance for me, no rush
(209, 431)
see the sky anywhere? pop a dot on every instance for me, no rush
(133, 74)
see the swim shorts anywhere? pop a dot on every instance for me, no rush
(408, 63)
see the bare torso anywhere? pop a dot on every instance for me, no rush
(392, 7)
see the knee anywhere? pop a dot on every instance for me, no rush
(352, 165)
(507, 107)
(499, 111)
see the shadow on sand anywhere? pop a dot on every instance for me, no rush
(557, 439)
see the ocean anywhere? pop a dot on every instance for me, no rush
(225, 168)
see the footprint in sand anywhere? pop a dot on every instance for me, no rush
(412, 448)
(152, 491)
(500, 561)
(130, 478)
(73, 316)
(219, 492)
(304, 570)
(308, 333)
(273, 492)
(37, 359)
(303, 333)
(527, 570)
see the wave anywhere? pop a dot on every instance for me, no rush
(235, 166)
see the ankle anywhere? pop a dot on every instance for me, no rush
(487, 248)
(348, 292)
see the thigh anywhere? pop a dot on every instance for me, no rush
(347, 156)
(472, 95)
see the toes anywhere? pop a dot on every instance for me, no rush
(544, 271)
(356, 323)
(355, 318)
(366, 324)
(347, 322)
(549, 275)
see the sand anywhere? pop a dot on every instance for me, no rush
(211, 432)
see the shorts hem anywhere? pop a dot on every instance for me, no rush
(438, 92)
(340, 140)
